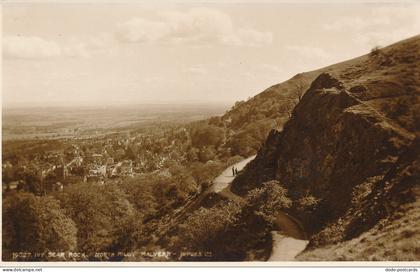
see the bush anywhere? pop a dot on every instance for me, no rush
(375, 51)
(206, 172)
(205, 225)
(307, 203)
(268, 200)
(380, 57)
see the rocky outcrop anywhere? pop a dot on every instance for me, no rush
(382, 224)
(343, 153)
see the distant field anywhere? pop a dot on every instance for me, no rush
(55, 123)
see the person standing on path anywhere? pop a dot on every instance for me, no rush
(233, 171)
(236, 171)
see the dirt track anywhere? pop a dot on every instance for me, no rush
(289, 240)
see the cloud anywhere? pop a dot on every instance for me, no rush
(382, 26)
(152, 79)
(31, 47)
(200, 69)
(202, 26)
(76, 50)
(197, 70)
(310, 52)
(270, 68)
(404, 23)
(384, 38)
(355, 23)
(254, 37)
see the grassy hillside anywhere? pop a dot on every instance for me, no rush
(348, 155)
(248, 122)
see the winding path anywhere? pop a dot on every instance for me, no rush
(289, 241)
(220, 185)
(226, 177)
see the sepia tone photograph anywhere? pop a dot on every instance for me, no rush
(210, 131)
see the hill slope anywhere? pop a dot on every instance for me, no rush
(249, 122)
(349, 154)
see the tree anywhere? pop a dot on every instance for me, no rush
(237, 104)
(207, 224)
(99, 211)
(206, 135)
(205, 173)
(182, 182)
(207, 153)
(243, 144)
(140, 192)
(129, 154)
(192, 154)
(36, 224)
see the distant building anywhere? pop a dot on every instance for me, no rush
(110, 170)
(165, 173)
(97, 170)
(13, 186)
(7, 165)
(97, 158)
(61, 172)
(124, 168)
(57, 187)
(109, 161)
(93, 178)
(73, 179)
(54, 158)
(78, 161)
(127, 168)
(45, 169)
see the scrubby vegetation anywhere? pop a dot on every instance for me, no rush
(117, 216)
(231, 229)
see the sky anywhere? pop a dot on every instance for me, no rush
(107, 53)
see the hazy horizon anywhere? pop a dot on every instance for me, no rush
(175, 53)
(122, 105)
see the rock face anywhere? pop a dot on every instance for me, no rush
(349, 153)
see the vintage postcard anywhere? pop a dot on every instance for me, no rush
(211, 132)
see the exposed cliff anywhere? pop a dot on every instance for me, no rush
(349, 154)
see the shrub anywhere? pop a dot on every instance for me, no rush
(375, 51)
(205, 225)
(380, 57)
(269, 199)
(307, 203)
(206, 172)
